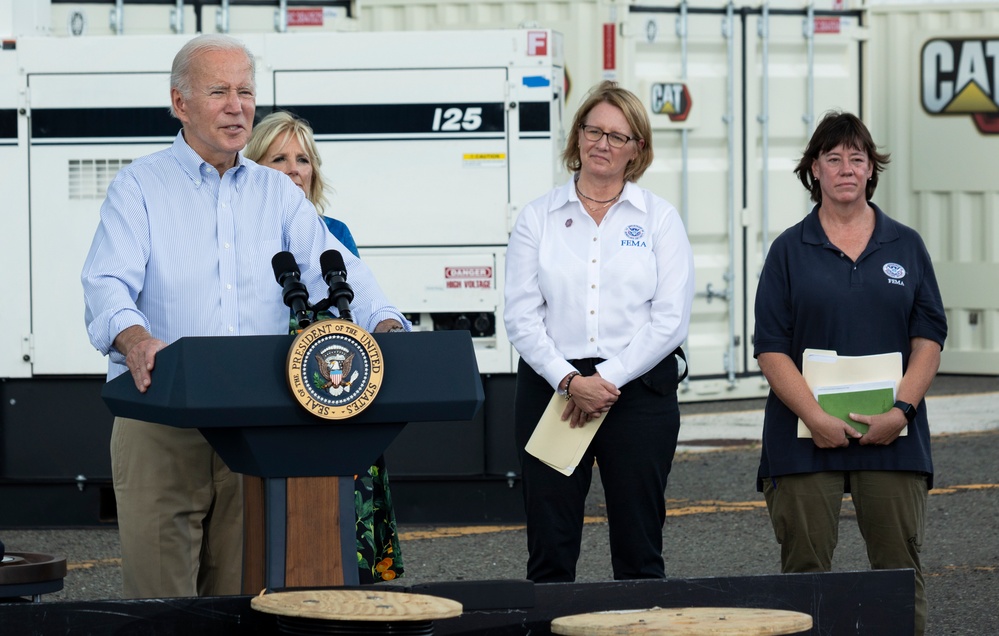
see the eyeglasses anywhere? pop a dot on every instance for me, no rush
(615, 139)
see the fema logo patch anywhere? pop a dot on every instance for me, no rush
(633, 236)
(893, 270)
(334, 369)
(634, 232)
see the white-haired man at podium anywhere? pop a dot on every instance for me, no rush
(184, 248)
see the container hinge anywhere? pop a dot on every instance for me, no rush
(27, 347)
(511, 216)
(24, 105)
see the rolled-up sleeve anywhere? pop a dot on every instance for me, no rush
(114, 271)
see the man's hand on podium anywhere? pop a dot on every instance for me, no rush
(139, 348)
(389, 324)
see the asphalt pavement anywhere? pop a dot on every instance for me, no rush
(717, 524)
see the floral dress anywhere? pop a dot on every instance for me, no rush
(378, 555)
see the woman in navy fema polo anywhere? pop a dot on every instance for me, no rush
(849, 279)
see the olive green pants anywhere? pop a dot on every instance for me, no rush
(180, 513)
(891, 513)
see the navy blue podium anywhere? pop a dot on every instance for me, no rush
(299, 531)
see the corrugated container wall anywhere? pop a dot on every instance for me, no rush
(595, 32)
(579, 21)
(732, 91)
(933, 73)
(756, 82)
(164, 17)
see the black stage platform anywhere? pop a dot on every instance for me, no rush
(870, 602)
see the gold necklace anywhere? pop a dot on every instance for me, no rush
(596, 208)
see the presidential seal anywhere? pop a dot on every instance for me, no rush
(334, 369)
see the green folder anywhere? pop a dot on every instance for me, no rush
(841, 401)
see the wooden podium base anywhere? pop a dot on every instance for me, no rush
(298, 532)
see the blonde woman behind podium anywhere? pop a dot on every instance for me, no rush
(285, 142)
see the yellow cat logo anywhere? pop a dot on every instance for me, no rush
(960, 77)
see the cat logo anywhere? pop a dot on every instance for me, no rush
(671, 99)
(960, 77)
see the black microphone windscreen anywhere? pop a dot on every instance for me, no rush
(283, 263)
(332, 261)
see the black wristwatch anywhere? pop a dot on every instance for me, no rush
(907, 409)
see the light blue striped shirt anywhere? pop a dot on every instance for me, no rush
(182, 252)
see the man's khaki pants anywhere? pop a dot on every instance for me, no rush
(180, 513)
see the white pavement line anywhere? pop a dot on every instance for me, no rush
(948, 414)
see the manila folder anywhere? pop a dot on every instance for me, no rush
(822, 369)
(558, 445)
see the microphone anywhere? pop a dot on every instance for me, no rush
(295, 293)
(335, 275)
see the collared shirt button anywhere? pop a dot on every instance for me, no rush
(594, 261)
(594, 239)
(225, 245)
(592, 339)
(228, 286)
(593, 286)
(592, 312)
(231, 329)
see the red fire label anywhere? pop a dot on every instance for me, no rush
(827, 24)
(305, 16)
(537, 43)
(609, 41)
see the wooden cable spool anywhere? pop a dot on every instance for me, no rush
(355, 612)
(685, 621)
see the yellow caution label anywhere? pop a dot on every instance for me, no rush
(499, 156)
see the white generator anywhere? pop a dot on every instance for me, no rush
(431, 142)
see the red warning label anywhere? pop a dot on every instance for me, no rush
(468, 277)
(827, 24)
(468, 272)
(305, 16)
